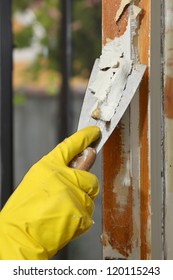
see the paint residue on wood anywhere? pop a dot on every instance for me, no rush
(122, 6)
(117, 214)
(111, 29)
(115, 67)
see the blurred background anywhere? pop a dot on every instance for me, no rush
(55, 44)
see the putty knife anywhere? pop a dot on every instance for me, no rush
(84, 161)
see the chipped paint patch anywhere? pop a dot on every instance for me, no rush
(111, 54)
(115, 67)
(117, 215)
(121, 233)
(112, 29)
(122, 6)
(136, 11)
(121, 184)
(118, 237)
(109, 252)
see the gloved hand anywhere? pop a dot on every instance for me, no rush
(52, 205)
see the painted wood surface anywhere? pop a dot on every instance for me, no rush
(144, 31)
(168, 125)
(126, 190)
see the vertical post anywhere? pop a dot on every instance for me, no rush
(168, 128)
(156, 130)
(126, 166)
(65, 105)
(6, 150)
(144, 135)
(65, 100)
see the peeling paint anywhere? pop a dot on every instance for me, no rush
(115, 67)
(112, 29)
(136, 11)
(118, 198)
(123, 4)
(109, 251)
(111, 54)
(117, 215)
(109, 90)
(122, 232)
(121, 185)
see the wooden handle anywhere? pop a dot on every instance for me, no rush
(85, 160)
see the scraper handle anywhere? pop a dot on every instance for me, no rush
(85, 160)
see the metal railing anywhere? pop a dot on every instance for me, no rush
(6, 126)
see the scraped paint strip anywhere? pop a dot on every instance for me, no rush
(108, 97)
(123, 4)
(120, 234)
(115, 67)
(136, 11)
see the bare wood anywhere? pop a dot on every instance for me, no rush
(122, 237)
(117, 218)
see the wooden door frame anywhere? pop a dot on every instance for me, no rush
(133, 214)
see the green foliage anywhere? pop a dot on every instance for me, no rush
(23, 38)
(19, 99)
(86, 40)
(20, 5)
(86, 33)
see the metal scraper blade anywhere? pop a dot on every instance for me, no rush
(107, 128)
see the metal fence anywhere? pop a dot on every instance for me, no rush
(6, 129)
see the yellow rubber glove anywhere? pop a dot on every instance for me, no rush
(52, 205)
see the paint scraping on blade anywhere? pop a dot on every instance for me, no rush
(108, 88)
(111, 79)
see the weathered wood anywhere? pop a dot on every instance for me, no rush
(168, 128)
(126, 155)
(144, 32)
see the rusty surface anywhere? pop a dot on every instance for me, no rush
(144, 144)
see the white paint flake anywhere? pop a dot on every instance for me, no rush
(123, 4)
(108, 88)
(136, 11)
(115, 66)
